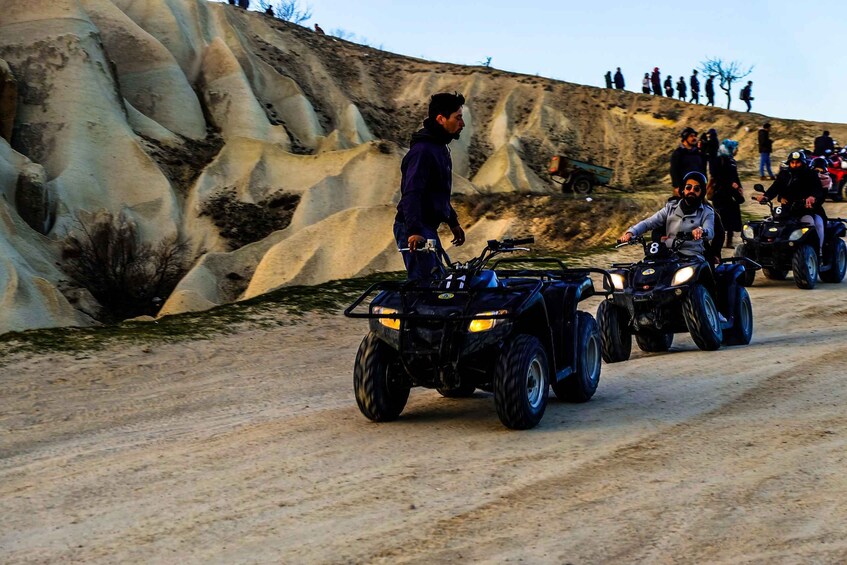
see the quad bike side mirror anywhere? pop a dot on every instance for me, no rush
(758, 187)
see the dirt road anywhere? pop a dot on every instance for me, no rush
(250, 448)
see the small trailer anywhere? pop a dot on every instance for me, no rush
(578, 176)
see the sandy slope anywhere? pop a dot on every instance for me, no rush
(250, 448)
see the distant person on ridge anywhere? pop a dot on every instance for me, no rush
(426, 184)
(608, 77)
(319, 30)
(823, 143)
(244, 4)
(710, 90)
(669, 86)
(619, 82)
(695, 87)
(656, 81)
(269, 11)
(645, 84)
(765, 150)
(747, 94)
(681, 88)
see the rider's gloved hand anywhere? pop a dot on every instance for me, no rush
(697, 233)
(458, 235)
(416, 242)
(810, 201)
(626, 236)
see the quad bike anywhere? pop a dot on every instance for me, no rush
(667, 293)
(511, 331)
(782, 243)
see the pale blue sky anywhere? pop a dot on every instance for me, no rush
(797, 73)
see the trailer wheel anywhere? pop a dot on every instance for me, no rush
(581, 185)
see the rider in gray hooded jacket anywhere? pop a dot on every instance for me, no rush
(688, 214)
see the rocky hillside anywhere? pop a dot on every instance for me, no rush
(274, 152)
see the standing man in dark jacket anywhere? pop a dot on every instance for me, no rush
(426, 184)
(695, 87)
(619, 83)
(765, 150)
(710, 90)
(686, 158)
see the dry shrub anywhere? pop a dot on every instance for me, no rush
(129, 278)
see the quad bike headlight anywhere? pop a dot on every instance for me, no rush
(747, 232)
(392, 323)
(618, 281)
(797, 234)
(485, 324)
(682, 275)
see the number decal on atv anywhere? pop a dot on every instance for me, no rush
(654, 248)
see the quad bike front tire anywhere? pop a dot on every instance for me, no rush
(804, 265)
(378, 383)
(521, 382)
(614, 333)
(742, 328)
(702, 319)
(582, 384)
(654, 341)
(741, 250)
(836, 272)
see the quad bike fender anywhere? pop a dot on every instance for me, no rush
(534, 320)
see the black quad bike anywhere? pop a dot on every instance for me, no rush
(782, 243)
(667, 293)
(512, 331)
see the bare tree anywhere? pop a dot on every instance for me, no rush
(129, 278)
(287, 10)
(728, 72)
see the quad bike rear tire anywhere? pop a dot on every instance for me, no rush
(741, 250)
(836, 272)
(614, 333)
(741, 331)
(654, 341)
(582, 384)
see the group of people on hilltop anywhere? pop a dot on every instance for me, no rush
(652, 84)
(706, 200)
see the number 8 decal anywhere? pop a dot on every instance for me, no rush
(654, 248)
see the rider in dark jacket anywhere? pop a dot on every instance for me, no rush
(799, 187)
